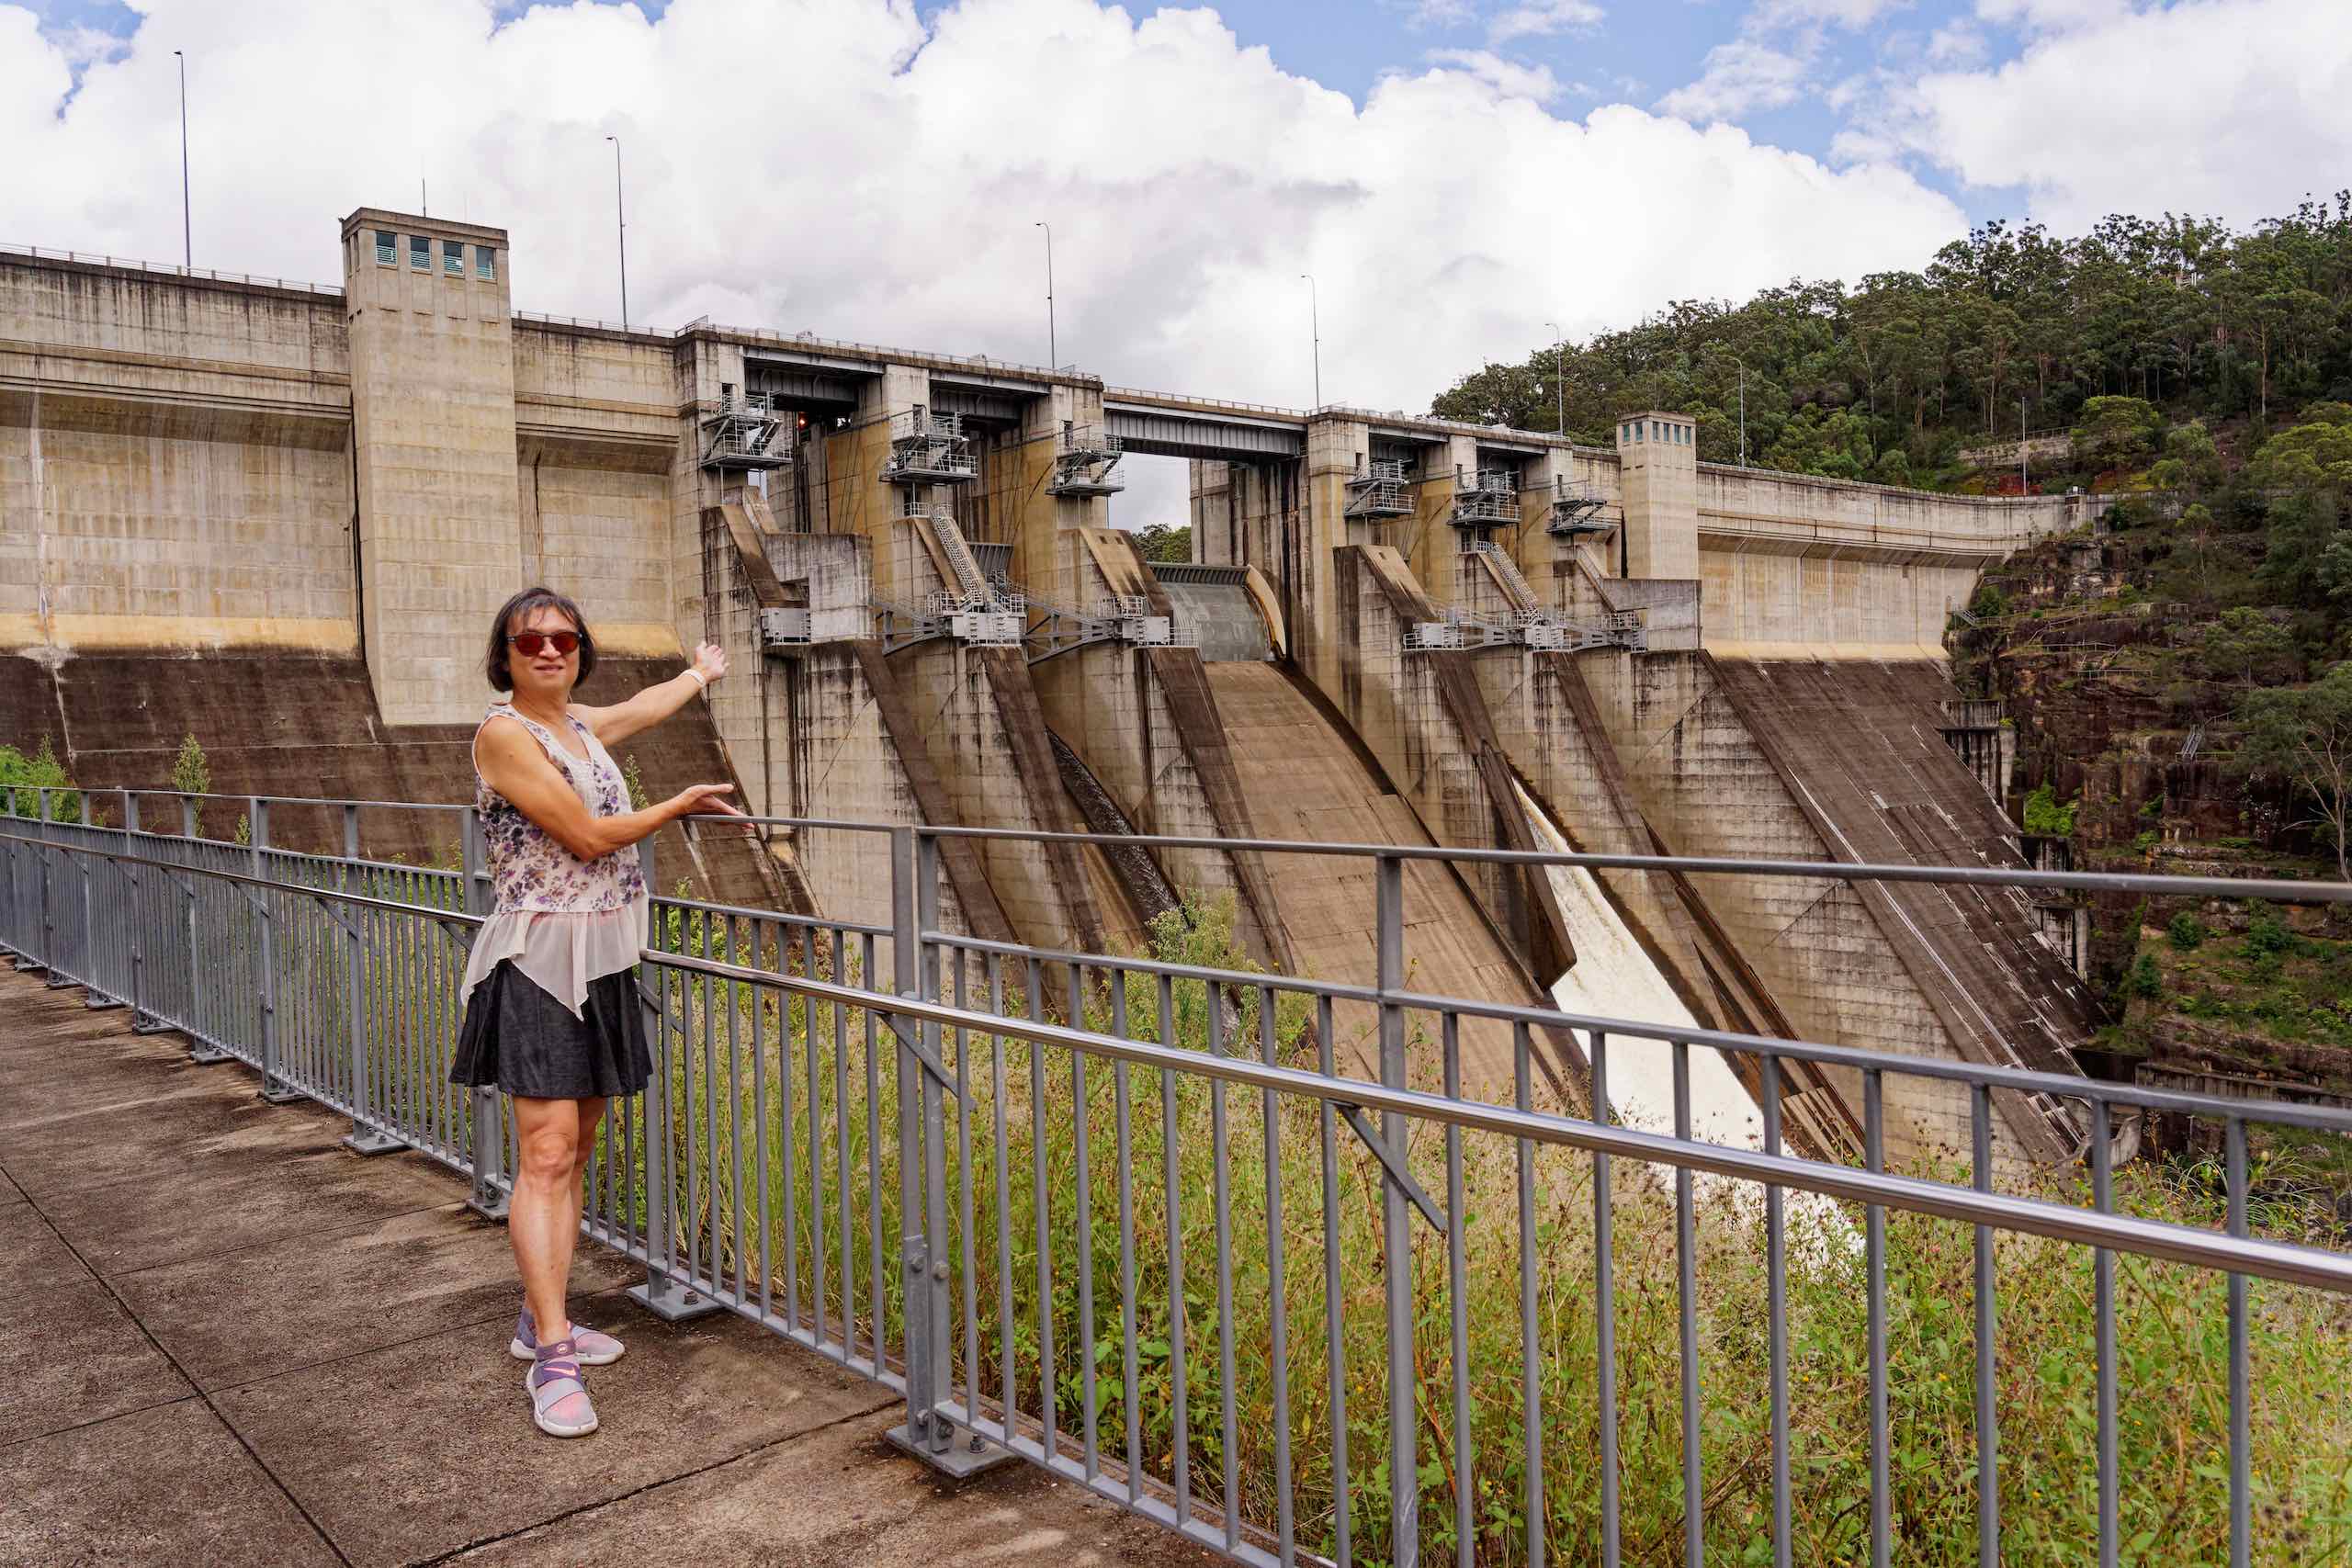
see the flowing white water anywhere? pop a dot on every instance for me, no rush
(1614, 976)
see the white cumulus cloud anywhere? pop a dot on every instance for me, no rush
(1739, 78)
(2232, 108)
(1509, 77)
(1544, 18)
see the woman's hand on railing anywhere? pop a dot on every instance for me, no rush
(702, 800)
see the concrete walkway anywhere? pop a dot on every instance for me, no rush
(224, 1340)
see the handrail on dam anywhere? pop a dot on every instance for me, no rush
(1193, 1235)
(168, 269)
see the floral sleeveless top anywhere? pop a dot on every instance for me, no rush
(528, 869)
(563, 921)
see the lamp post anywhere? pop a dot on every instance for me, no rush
(188, 240)
(1314, 333)
(2021, 480)
(1559, 380)
(620, 214)
(1743, 414)
(1053, 345)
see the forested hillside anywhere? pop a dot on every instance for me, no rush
(1891, 378)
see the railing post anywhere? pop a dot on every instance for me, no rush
(94, 993)
(660, 1294)
(274, 1088)
(929, 1432)
(142, 1021)
(922, 1390)
(1397, 1225)
(489, 1139)
(199, 1051)
(364, 1137)
(47, 910)
(29, 921)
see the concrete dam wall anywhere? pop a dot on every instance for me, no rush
(276, 517)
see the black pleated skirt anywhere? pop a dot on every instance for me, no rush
(517, 1038)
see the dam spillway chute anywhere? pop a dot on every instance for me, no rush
(1217, 605)
(1615, 976)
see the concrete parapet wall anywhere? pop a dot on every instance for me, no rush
(1756, 604)
(588, 380)
(1733, 501)
(128, 332)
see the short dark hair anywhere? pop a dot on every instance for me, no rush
(495, 664)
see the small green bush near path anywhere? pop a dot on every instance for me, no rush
(25, 777)
(192, 774)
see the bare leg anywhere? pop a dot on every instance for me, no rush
(591, 1114)
(543, 1215)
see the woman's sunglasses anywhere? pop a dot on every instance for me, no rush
(529, 644)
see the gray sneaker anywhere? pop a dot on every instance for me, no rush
(596, 1349)
(559, 1398)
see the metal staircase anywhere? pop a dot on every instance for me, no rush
(969, 579)
(1516, 587)
(974, 608)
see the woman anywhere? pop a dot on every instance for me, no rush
(551, 1015)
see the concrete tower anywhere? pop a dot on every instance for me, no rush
(1658, 457)
(433, 438)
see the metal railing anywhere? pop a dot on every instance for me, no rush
(87, 258)
(1195, 1236)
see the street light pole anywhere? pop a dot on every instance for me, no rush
(620, 213)
(1743, 414)
(1315, 331)
(187, 234)
(2021, 480)
(1559, 380)
(1053, 343)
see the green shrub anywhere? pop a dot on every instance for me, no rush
(25, 777)
(192, 774)
(2266, 934)
(1990, 604)
(2043, 815)
(2186, 932)
(2143, 981)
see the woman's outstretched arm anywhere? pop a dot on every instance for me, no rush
(651, 706)
(512, 764)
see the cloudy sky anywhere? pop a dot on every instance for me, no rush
(1455, 174)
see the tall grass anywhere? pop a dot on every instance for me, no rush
(1024, 1113)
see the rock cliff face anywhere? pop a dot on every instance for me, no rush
(2124, 740)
